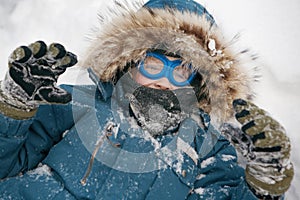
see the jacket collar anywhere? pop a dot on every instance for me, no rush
(105, 88)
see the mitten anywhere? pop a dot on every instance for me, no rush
(32, 76)
(264, 143)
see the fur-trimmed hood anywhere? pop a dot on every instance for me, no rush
(193, 35)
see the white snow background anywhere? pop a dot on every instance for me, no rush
(269, 27)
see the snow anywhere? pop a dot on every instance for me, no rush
(268, 27)
(41, 170)
(199, 191)
(207, 162)
(226, 158)
(200, 176)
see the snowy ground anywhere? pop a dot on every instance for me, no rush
(268, 27)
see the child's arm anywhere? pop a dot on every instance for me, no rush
(28, 130)
(25, 143)
(220, 175)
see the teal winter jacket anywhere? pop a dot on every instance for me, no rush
(46, 157)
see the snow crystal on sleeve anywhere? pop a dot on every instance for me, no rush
(199, 191)
(200, 176)
(207, 162)
(226, 158)
(41, 170)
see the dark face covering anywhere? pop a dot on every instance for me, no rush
(156, 110)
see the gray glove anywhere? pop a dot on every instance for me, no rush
(33, 73)
(264, 143)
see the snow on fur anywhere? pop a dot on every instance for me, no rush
(129, 33)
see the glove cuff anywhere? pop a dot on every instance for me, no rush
(277, 183)
(11, 106)
(264, 196)
(15, 92)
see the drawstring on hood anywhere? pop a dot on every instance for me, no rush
(185, 28)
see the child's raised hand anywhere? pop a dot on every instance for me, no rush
(33, 73)
(264, 143)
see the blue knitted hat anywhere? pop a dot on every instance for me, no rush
(181, 5)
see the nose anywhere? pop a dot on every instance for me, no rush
(163, 84)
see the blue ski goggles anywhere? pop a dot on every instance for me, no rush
(156, 66)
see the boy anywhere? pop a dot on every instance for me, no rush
(160, 74)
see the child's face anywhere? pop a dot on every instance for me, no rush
(162, 83)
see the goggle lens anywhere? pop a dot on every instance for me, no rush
(156, 66)
(153, 65)
(182, 73)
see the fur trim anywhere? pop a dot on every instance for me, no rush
(127, 36)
